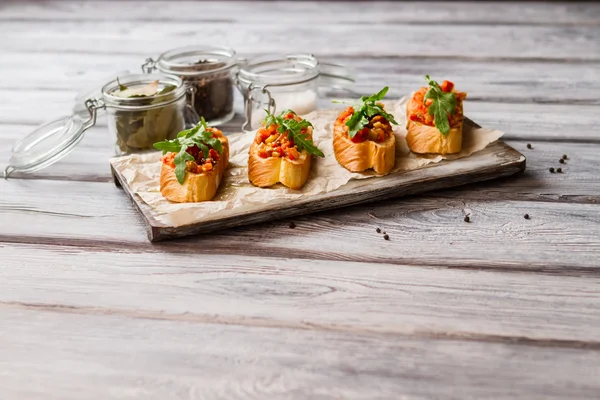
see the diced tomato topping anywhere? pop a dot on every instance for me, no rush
(447, 86)
(212, 153)
(346, 113)
(289, 116)
(361, 136)
(263, 154)
(293, 153)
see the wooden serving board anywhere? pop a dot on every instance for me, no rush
(496, 160)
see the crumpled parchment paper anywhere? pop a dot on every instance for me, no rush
(237, 195)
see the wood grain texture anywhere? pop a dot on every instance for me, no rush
(560, 238)
(497, 160)
(500, 307)
(526, 13)
(143, 38)
(91, 355)
(306, 294)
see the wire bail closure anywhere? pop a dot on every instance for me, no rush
(271, 106)
(149, 65)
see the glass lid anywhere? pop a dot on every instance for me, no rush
(46, 145)
(279, 70)
(195, 60)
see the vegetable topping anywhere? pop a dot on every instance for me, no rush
(195, 150)
(367, 120)
(285, 135)
(438, 105)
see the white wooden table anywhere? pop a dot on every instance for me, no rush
(501, 307)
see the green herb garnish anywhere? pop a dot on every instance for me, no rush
(294, 131)
(366, 109)
(444, 103)
(198, 136)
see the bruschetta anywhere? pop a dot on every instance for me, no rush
(282, 151)
(363, 137)
(434, 116)
(193, 164)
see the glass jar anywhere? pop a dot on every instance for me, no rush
(139, 122)
(276, 83)
(209, 71)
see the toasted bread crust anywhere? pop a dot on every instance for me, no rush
(424, 139)
(265, 172)
(358, 157)
(195, 187)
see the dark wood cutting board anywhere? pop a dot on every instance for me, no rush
(495, 161)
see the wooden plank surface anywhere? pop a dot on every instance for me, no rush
(501, 307)
(463, 13)
(307, 294)
(468, 41)
(91, 354)
(559, 237)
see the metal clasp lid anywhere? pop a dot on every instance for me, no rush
(52, 141)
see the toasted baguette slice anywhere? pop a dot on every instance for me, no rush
(265, 172)
(195, 187)
(358, 157)
(423, 139)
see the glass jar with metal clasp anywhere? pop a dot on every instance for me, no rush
(209, 71)
(141, 110)
(279, 82)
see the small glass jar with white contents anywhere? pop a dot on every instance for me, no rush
(276, 83)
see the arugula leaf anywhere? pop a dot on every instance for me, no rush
(366, 109)
(444, 104)
(294, 130)
(168, 146)
(181, 163)
(196, 136)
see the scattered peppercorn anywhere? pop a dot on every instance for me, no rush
(565, 157)
(384, 232)
(378, 230)
(386, 237)
(292, 225)
(526, 216)
(552, 169)
(559, 170)
(529, 146)
(467, 219)
(562, 161)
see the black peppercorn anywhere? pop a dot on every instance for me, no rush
(559, 170)
(529, 145)
(565, 157)
(562, 161)
(386, 237)
(292, 225)
(378, 230)
(384, 232)
(526, 216)
(467, 219)
(552, 169)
